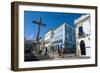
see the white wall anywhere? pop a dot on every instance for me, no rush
(85, 24)
(5, 40)
(59, 33)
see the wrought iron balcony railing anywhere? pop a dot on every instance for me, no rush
(81, 35)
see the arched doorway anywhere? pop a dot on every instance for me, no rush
(82, 47)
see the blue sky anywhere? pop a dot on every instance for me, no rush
(51, 19)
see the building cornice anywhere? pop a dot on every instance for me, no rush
(82, 18)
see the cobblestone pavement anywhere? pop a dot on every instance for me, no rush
(66, 57)
(70, 56)
(32, 57)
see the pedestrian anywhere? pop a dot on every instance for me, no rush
(46, 50)
(59, 52)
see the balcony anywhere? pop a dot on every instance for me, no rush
(81, 35)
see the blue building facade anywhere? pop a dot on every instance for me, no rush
(64, 39)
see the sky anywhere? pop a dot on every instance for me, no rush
(51, 19)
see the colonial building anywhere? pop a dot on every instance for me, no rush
(48, 39)
(83, 33)
(64, 38)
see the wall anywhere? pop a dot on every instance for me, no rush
(5, 34)
(84, 24)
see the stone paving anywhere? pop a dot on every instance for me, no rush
(52, 56)
(69, 56)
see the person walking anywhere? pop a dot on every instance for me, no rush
(46, 50)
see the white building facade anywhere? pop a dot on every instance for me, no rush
(83, 32)
(48, 39)
(58, 38)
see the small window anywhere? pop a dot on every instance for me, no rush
(80, 31)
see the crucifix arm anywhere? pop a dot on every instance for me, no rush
(39, 23)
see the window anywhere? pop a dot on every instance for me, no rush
(67, 36)
(73, 38)
(80, 31)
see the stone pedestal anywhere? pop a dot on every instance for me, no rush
(36, 47)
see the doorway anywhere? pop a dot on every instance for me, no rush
(82, 47)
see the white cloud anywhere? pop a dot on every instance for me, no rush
(31, 37)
